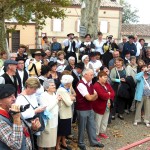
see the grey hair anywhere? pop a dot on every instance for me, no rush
(47, 82)
(70, 58)
(85, 71)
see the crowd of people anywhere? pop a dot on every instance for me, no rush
(86, 83)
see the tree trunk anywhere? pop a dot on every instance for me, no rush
(3, 39)
(89, 16)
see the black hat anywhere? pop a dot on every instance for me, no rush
(92, 54)
(6, 90)
(80, 65)
(38, 52)
(20, 59)
(70, 34)
(8, 62)
(51, 64)
(131, 37)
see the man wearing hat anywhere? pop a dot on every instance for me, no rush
(14, 133)
(35, 64)
(71, 46)
(9, 77)
(129, 47)
(21, 73)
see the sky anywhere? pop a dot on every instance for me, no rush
(143, 7)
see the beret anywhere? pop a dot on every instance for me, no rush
(6, 90)
(9, 61)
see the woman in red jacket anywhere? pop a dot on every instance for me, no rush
(102, 105)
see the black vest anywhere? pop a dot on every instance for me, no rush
(25, 77)
(9, 81)
(73, 46)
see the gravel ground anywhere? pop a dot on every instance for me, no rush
(121, 133)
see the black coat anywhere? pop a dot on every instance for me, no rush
(126, 89)
(75, 80)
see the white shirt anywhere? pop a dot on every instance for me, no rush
(21, 74)
(67, 42)
(82, 88)
(98, 46)
(138, 47)
(29, 113)
(96, 65)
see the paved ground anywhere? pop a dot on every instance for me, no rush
(120, 134)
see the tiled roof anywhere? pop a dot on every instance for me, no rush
(136, 29)
(104, 3)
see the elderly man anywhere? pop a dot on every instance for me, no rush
(112, 61)
(120, 45)
(14, 133)
(85, 95)
(9, 77)
(129, 47)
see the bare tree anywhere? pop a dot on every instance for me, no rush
(89, 16)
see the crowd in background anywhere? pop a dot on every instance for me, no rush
(87, 83)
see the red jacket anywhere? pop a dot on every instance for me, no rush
(99, 105)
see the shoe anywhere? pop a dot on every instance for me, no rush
(103, 135)
(147, 125)
(98, 145)
(120, 117)
(98, 139)
(135, 124)
(126, 111)
(113, 117)
(65, 147)
(82, 147)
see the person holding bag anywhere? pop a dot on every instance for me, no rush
(117, 76)
(28, 97)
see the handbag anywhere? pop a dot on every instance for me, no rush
(38, 115)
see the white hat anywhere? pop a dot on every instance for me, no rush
(83, 57)
(66, 79)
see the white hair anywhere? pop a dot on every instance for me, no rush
(71, 58)
(85, 71)
(47, 82)
(83, 57)
(66, 79)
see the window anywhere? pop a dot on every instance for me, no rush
(57, 25)
(104, 26)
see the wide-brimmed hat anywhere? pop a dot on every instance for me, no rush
(70, 34)
(36, 53)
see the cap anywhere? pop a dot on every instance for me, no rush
(70, 34)
(131, 37)
(6, 90)
(20, 58)
(9, 61)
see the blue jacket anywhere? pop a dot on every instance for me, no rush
(140, 86)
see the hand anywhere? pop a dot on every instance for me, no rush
(35, 124)
(16, 117)
(59, 98)
(123, 79)
(40, 109)
(72, 98)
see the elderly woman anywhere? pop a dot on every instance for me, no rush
(85, 60)
(65, 111)
(102, 105)
(61, 61)
(118, 75)
(28, 97)
(48, 137)
(71, 64)
(142, 95)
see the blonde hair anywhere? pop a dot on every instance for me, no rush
(32, 82)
